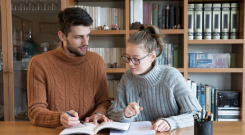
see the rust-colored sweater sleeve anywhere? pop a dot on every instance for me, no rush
(37, 98)
(102, 102)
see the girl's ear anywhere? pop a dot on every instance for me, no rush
(153, 56)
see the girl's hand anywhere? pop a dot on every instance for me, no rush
(132, 109)
(161, 126)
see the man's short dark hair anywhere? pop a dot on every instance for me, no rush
(73, 17)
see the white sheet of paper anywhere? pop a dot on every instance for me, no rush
(136, 128)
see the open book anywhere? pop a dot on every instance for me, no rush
(93, 129)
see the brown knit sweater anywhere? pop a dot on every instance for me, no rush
(58, 82)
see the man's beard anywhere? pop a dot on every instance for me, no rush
(75, 50)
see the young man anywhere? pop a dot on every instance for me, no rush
(69, 78)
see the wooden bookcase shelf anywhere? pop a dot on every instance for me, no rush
(221, 41)
(108, 32)
(215, 70)
(165, 31)
(115, 70)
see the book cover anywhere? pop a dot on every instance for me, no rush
(194, 88)
(163, 17)
(167, 25)
(176, 53)
(172, 17)
(207, 34)
(179, 16)
(198, 21)
(145, 13)
(150, 13)
(160, 16)
(234, 21)
(155, 14)
(216, 20)
(225, 23)
(191, 21)
(136, 11)
(203, 96)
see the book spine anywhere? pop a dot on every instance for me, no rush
(131, 13)
(212, 100)
(155, 14)
(225, 23)
(180, 56)
(198, 21)
(160, 16)
(145, 13)
(179, 16)
(202, 96)
(172, 17)
(216, 20)
(207, 34)
(234, 21)
(150, 13)
(176, 56)
(216, 105)
(167, 17)
(163, 17)
(190, 21)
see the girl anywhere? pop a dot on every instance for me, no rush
(165, 95)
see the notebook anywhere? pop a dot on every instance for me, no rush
(136, 128)
(93, 129)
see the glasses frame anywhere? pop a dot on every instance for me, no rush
(133, 59)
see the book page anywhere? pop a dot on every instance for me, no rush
(89, 129)
(136, 128)
(112, 125)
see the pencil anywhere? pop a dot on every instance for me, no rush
(73, 116)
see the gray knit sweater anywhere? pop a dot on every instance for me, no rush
(165, 95)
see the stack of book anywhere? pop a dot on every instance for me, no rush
(112, 85)
(171, 55)
(211, 60)
(213, 21)
(105, 16)
(111, 56)
(162, 16)
(206, 96)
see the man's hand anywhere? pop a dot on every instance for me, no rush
(132, 109)
(69, 121)
(96, 117)
(161, 126)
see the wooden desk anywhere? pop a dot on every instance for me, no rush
(26, 128)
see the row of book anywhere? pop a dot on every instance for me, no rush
(112, 85)
(213, 21)
(171, 55)
(111, 56)
(211, 60)
(206, 96)
(105, 16)
(162, 16)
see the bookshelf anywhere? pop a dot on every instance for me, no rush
(237, 74)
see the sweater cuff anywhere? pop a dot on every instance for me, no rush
(102, 111)
(171, 122)
(55, 119)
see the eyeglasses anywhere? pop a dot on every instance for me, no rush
(135, 61)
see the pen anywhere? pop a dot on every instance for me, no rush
(139, 99)
(73, 116)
